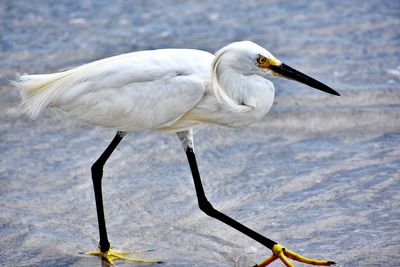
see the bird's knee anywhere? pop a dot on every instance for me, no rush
(97, 170)
(207, 208)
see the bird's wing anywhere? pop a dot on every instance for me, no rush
(135, 91)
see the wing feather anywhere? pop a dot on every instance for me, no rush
(135, 91)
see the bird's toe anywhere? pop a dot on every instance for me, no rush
(279, 252)
(111, 255)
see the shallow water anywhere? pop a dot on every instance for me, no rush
(320, 174)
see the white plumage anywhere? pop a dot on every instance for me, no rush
(166, 90)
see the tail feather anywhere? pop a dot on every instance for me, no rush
(37, 91)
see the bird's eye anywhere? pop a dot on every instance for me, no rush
(261, 60)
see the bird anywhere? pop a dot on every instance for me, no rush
(168, 90)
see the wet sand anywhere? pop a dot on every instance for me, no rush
(319, 174)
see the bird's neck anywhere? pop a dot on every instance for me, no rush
(245, 91)
(236, 87)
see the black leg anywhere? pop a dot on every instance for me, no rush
(97, 175)
(206, 206)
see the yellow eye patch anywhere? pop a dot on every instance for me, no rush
(264, 62)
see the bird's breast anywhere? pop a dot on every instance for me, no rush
(210, 111)
(258, 97)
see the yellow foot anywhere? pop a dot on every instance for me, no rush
(283, 254)
(111, 255)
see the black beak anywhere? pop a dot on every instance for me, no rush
(291, 73)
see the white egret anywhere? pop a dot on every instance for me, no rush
(169, 90)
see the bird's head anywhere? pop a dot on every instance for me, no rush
(250, 58)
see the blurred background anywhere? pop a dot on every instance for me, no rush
(319, 174)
